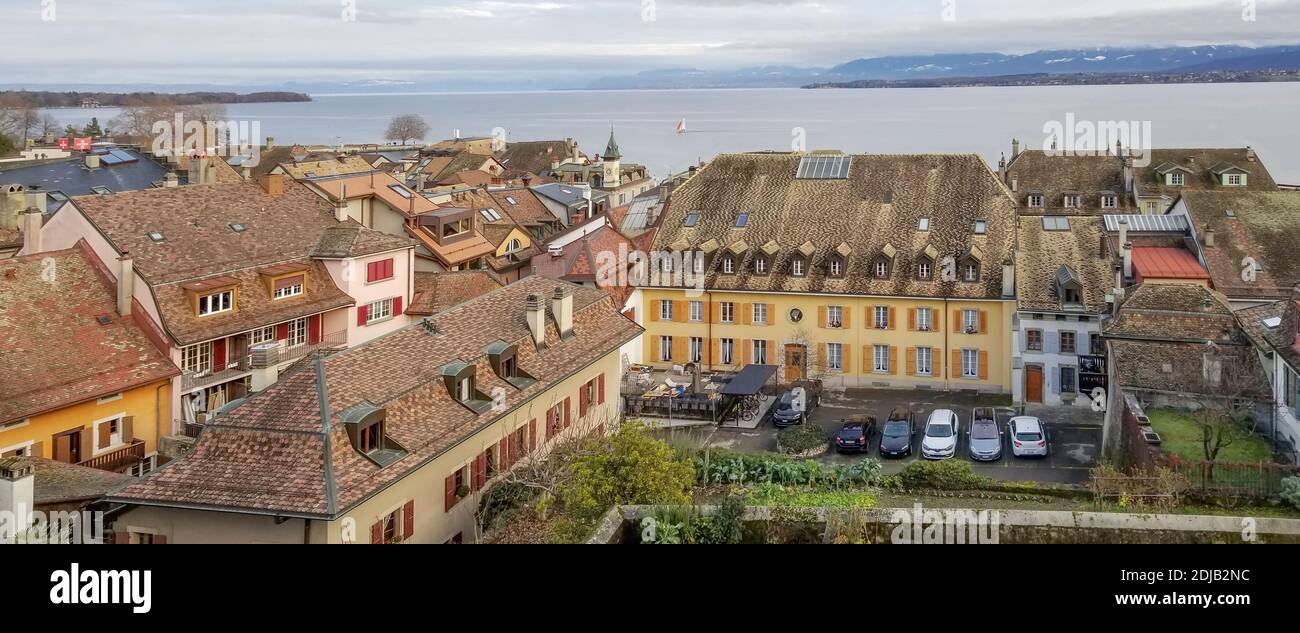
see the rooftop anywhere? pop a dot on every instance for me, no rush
(1166, 263)
(73, 178)
(1054, 176)
(1200, 166)
(1041, 254)
(436, 292)
(1264, 226)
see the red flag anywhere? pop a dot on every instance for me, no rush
(63, 143)
(81, 144)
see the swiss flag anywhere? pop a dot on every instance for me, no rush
(63, 143)
(81, 144)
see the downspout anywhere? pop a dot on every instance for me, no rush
(157, 416)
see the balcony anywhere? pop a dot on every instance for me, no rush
(332, 340)
(191, 380)
(117, 460)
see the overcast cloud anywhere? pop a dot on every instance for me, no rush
(254, 42)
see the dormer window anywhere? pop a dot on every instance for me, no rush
(1177, 179)
(504, 359)
(836, 267)
(289, 287)
(462, 386)
(1036, 200)
(1072, 296)
(1071, 200)
(880, 268)
(217, 302)
(728, 264)
(465, 389)
(797, 265)
(760, 265)
(925, 269)
(371, 437)
(1109, 201)
(368, 431)
(1233, 180)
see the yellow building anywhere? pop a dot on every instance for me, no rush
(865, 271)
(78, 383)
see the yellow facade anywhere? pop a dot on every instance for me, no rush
(525, 241)
(981, 357)
(137, 413)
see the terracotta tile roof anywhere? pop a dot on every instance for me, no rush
(453, 253)
(1282, 337)
(55, 352)
(1179, 367)
(1266, 227)
(1199, 164)
(786, 213)
(1041, 254)
(269, 454)
(1053, 176)
(324, 167)
(580, 260)
(58, 483)
(1166, 263)
(269, 159)
(532, 156)
(1180, 312)
(435, 292)
(381, 185)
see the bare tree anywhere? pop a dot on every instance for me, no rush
(406, 127)
(18, 118)
(1226, 386)
(49, 126)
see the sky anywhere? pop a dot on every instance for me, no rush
(269, 42)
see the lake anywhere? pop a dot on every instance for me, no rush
(981, 120)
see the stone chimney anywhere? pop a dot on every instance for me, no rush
(1250, 153)
(270, 143)
(17, 493)
(32, 221)
(1128, 260)
(199, 170)
(536, 319)
(171, 179)
(1123, 231)
(92, 161)
(125, 284)
(341, 206)
(246, 173)
(1126, 168)
(272, 184)
(264, 360)
(1015, 148)
(562, 309)
(1207, 237)
(527, 179)
(1008, 278)
(12, 203)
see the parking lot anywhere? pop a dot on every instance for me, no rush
(1074, 434)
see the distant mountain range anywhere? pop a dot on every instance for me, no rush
(916, 67)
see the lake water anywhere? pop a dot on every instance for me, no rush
(981, 120)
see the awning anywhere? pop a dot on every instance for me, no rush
(749, 381)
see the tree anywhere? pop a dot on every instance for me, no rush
(18, 119)
(92, 129)
(629, 468)
(49, 126)
(406, 127)
(1226, 386)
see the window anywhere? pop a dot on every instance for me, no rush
(197, 358)
(145, 466)
(262, 335)
(554, 420)
(760, 352)
(1067, 342)
(1232, 180)
(379, 310)
(1067, 380)
(695, 310)
(728, 264)
(924, 319)
(981, 227)
(456, 227)
(465, 389)
(880, 269)
(970, 321)
(290, 287)
(880, 358)
(1071, 200)
(513, 245)
(509, 367)
(697, 261)
(970, 363)
(108, 433)
(924, 269)
(741, 220)
(1034, 340)
(726, 351)
(727, 312)
(880, 317)
(1072, 296)
(970, 271)
(217, 302)
(666, 263)
(489, 214)
(371, 436)
(697, 349)
(835, 316)
(691, 219)
(401, 191)
(835, 356)
(760, 314)
(1056, 223)
(297, 332)
(923, 224)
(760, 265)
(796, 267)
(836, 267)
(924, 361)
(665, 310)
(1096, 345)
(1109, 201)
(1036, 200)
(666, 348)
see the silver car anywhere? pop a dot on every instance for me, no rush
(984, 436)
(1028, 436)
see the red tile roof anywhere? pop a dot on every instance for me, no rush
(1166, 263)
(53, 350)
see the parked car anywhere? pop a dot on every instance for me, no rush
(984, 436)
(941, 432)
(1028, 436)
(855, 434)
(784, 413)
(897, 433)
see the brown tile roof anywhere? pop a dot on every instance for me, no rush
(435, 292)
(1201, 163)
(1281, 338)
(269, 454)
(1266, 228)
(324, 167)
(953, 191)
(1041, 254)
(269, 159)
(1180, 312)
(1179, 367)
(377, 184)
(580, 260)
(532, 156)
(53, 350)
(1036, 171)
(58, 483)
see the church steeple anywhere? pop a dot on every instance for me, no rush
(611, 149)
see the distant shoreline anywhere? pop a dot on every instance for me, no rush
(74, 99)
(1071, 79)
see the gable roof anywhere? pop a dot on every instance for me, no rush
(1199, 165)
(378, 184)
(56, 352)
(1174, 312)
(1053, 176)
(533, 156)
(286, 451)
(1041, 254)
(1265, 227)
(323, 167)
(436, 292)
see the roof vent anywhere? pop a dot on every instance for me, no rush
(156, 236)
(555, 250)
(237, 227)
(104, 319)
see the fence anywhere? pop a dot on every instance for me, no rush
(1234, 480)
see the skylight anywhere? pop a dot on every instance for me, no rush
(923, 224)
(824, 167)
(742, 220)
(1272, 322)
(1230, 213)
(401, 191)
(489, 214)
(691, 219)
(156, 236)
(511, 200)
(981, 227)
(103, 191)
(237, 227)
(1056, 223)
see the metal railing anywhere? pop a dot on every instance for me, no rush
(234, 368)
(331, 340)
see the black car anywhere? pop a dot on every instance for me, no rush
(783, 411)
(897, 433)
(855, 434)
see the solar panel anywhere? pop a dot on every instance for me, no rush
(824, 167)
(110, 159)
(122, 155)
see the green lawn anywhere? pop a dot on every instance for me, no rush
(1180, 436)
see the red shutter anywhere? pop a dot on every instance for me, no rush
(503, 453)
(532, 435)
(377, 533)
(512, 446)
(600, 389)
(567, 414)
(397, 306)
(480, 472)
(408, 519)
(219, 355)
(363, 314)
(388, 268)
(582, 400)
(313, 330)
(450, 500)
(160, 539)
(282, 331)
(372, 271)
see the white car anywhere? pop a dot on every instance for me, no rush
(1028, 436)
(941, 432)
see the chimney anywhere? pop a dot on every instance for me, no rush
(562, 309)
(12, 205)
(1208, 237)
(1123, 231)
(264, 360)
(1128, 260)
(199, 170)
(1250, 153)
(273, 184)
(536, 319)
(125, 284)
(17, 493)
(270, 143)
(171, 179)
(1127, 169)
(92, 161)
(528, 180)
(32, 221)
(1015, 148)
(341, 206)
(246, 173)
(1008, 278)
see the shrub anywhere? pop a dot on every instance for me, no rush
(949, 474)
(728, 467)
(1291, 491)
(630, 468)
(802, 438)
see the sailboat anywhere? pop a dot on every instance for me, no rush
(681, 126)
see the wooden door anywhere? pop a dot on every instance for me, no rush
(796, 362)
(67, 447)
(1033, 383)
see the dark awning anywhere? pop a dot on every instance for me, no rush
(750, 380)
